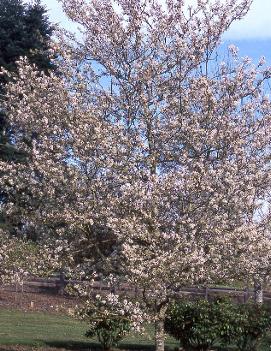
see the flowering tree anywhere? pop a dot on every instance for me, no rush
(21, 259)
(146, 137)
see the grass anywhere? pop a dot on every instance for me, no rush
(44, 329)
(35, 329)
(39, 329)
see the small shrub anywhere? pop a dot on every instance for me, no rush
(107, 322)
(109, 330)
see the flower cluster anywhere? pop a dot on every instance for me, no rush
(112, 306)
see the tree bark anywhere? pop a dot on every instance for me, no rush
(160, 329)
(159, 335)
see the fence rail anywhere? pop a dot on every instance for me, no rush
(57, 285)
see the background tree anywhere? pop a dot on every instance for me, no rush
(24, 31)
(142, 134)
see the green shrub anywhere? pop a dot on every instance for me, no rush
(200, 324)
(195, 323)
(248, 324)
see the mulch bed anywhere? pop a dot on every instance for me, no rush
(28, 348)
(34, 301)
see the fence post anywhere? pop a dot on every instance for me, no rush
(62, 283)
(246, 294)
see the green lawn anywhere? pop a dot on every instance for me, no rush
(43, 329)
(39, 329)
(47, 330)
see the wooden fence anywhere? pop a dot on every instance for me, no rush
(57, 284)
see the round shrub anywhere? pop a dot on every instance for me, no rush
(195, 323)
(200, 324)
(248, 324)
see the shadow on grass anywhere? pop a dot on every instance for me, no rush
(81, 346)
(135, 347)
(73, 345)
(95, 346)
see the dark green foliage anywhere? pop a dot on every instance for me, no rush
(200, 324)
(24, 31)
(195, 323)
(248, 323)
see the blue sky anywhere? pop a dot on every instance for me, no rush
(252, 34)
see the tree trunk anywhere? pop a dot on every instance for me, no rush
(159, 335)
(258, 292)
(160, 329)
